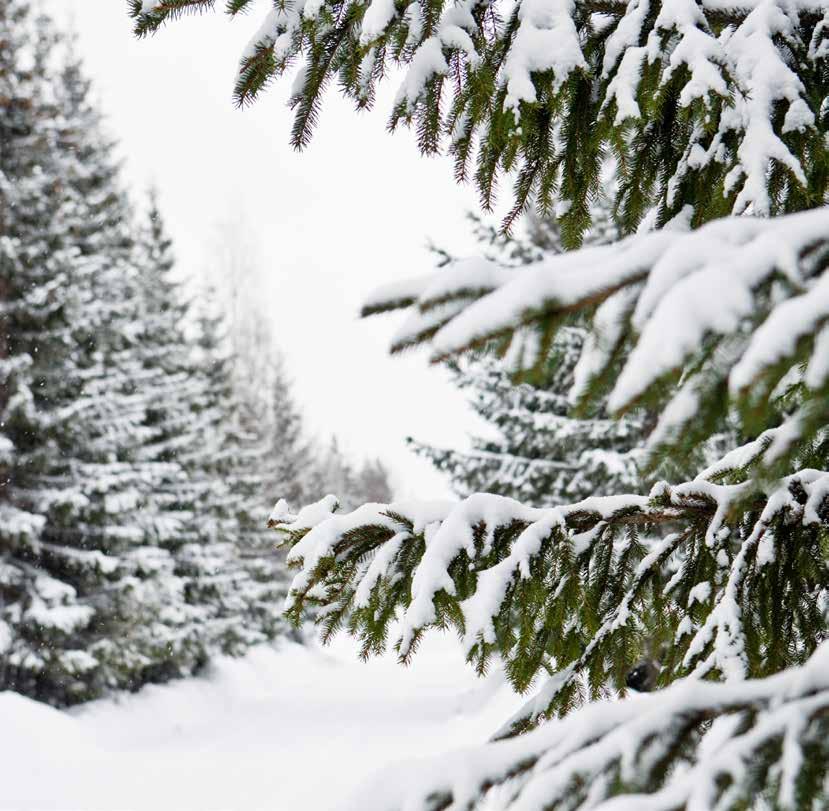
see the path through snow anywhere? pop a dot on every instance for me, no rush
(291, 729)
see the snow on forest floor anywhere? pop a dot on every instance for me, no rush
(288, 729)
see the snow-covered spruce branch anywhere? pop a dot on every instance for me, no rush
(526, 477)
(546, 87)
(686, 322)
(695, 745)
(736, 588)
(535, 450)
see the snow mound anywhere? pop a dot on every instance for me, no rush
(32, 727)
(248, 734)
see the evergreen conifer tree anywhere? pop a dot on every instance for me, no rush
(537, 451)
(69, 413)
(724, 613)
(289, 450)
(115, 567)
(189, 421)
(153, 635)
(711, 109)
(43, 615)
(226, 572)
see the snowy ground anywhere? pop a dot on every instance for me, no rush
(291, 729)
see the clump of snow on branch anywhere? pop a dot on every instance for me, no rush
(745, 75)
(415, 557)
(580, 759)
(655, 292)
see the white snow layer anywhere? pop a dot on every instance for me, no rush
(589, 741)
(666, 278)
(250, 734)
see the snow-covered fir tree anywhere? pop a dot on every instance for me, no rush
(190, 426)
(272, 416)
(716, 115)
(115, 484)
(723, 617)
(536, 450)
(241, 575)
(60, 468)
(289, 450)
(121, 553)
(43, 615)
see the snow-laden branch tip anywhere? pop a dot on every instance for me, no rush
(694, 745)
(490, 565)
(745, 79)
(754, 291)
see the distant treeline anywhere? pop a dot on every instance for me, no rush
(139, 453)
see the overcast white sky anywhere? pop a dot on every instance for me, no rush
(351, 212)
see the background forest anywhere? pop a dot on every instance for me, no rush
(147, 424)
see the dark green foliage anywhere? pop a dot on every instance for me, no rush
(723, 578)
(599, 593)
(547, 103)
